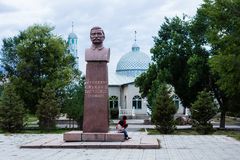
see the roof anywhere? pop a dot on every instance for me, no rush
(118, 80)
(133, 63)
(72, 36)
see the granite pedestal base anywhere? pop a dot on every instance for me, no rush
(79, 136)
(53, 142)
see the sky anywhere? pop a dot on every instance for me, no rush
(118, 18)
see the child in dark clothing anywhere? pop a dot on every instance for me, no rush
(121, 127)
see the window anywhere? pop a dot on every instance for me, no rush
(113, 102)
(137, 102)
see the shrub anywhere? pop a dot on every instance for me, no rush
(203, 109)
(12, 112)
(114, 113)
(163, 111)
(204, 129)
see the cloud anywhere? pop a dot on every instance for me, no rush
(4, 8)
(118, 18)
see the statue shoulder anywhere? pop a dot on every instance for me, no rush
(97, 55)
(106, 49)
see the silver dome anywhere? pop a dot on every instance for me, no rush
(133, 63)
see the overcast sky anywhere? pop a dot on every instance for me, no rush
(118, 18)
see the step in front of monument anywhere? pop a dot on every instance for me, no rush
(137, 142)
(79, 136)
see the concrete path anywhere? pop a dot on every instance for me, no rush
(173, 148)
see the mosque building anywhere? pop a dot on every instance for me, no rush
(123, 94)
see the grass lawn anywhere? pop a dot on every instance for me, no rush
(234, 134)
(228, 120)
(31, 118)
(230, 133)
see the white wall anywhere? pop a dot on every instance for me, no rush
(114, 91)
(130, 91)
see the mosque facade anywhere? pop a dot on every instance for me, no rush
(123, 94)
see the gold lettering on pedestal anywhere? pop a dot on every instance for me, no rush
(96, 88)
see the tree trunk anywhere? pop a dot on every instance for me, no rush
(222, 120)
(221, 99)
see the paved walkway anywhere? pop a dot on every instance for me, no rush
(173, 148)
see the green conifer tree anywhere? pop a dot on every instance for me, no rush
(203, 109)
(12, 112)
(163, 111)
(48, 109)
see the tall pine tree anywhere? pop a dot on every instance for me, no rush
(48, 108)
(12, 112)
(163, 111)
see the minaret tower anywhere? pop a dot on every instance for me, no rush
(72, 45)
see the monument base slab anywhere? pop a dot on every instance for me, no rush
(79, 136)
(56, 142)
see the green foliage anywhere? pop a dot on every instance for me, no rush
(34, 58)
(179, 60)
(202, 110)
(182, 51)
(12, 112)
(204, 129)
(48, 108)
(198, 71)
(170, 52)
(229, 73)
(145, 80)
(114, 112)
(31, 118)
(163, 111)
(74, 102)
(222, 34)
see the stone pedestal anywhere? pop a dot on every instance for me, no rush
(78, 136)
(96, 98)
(96, 118)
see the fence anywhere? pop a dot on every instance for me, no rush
(126, 112)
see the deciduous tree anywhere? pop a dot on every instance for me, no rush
(34, 58)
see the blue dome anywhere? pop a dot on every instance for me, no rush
(72, 36)
(133, 63)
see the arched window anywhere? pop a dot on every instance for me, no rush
(113, 102)
(137, 102)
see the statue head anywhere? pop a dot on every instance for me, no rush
(97, 35)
